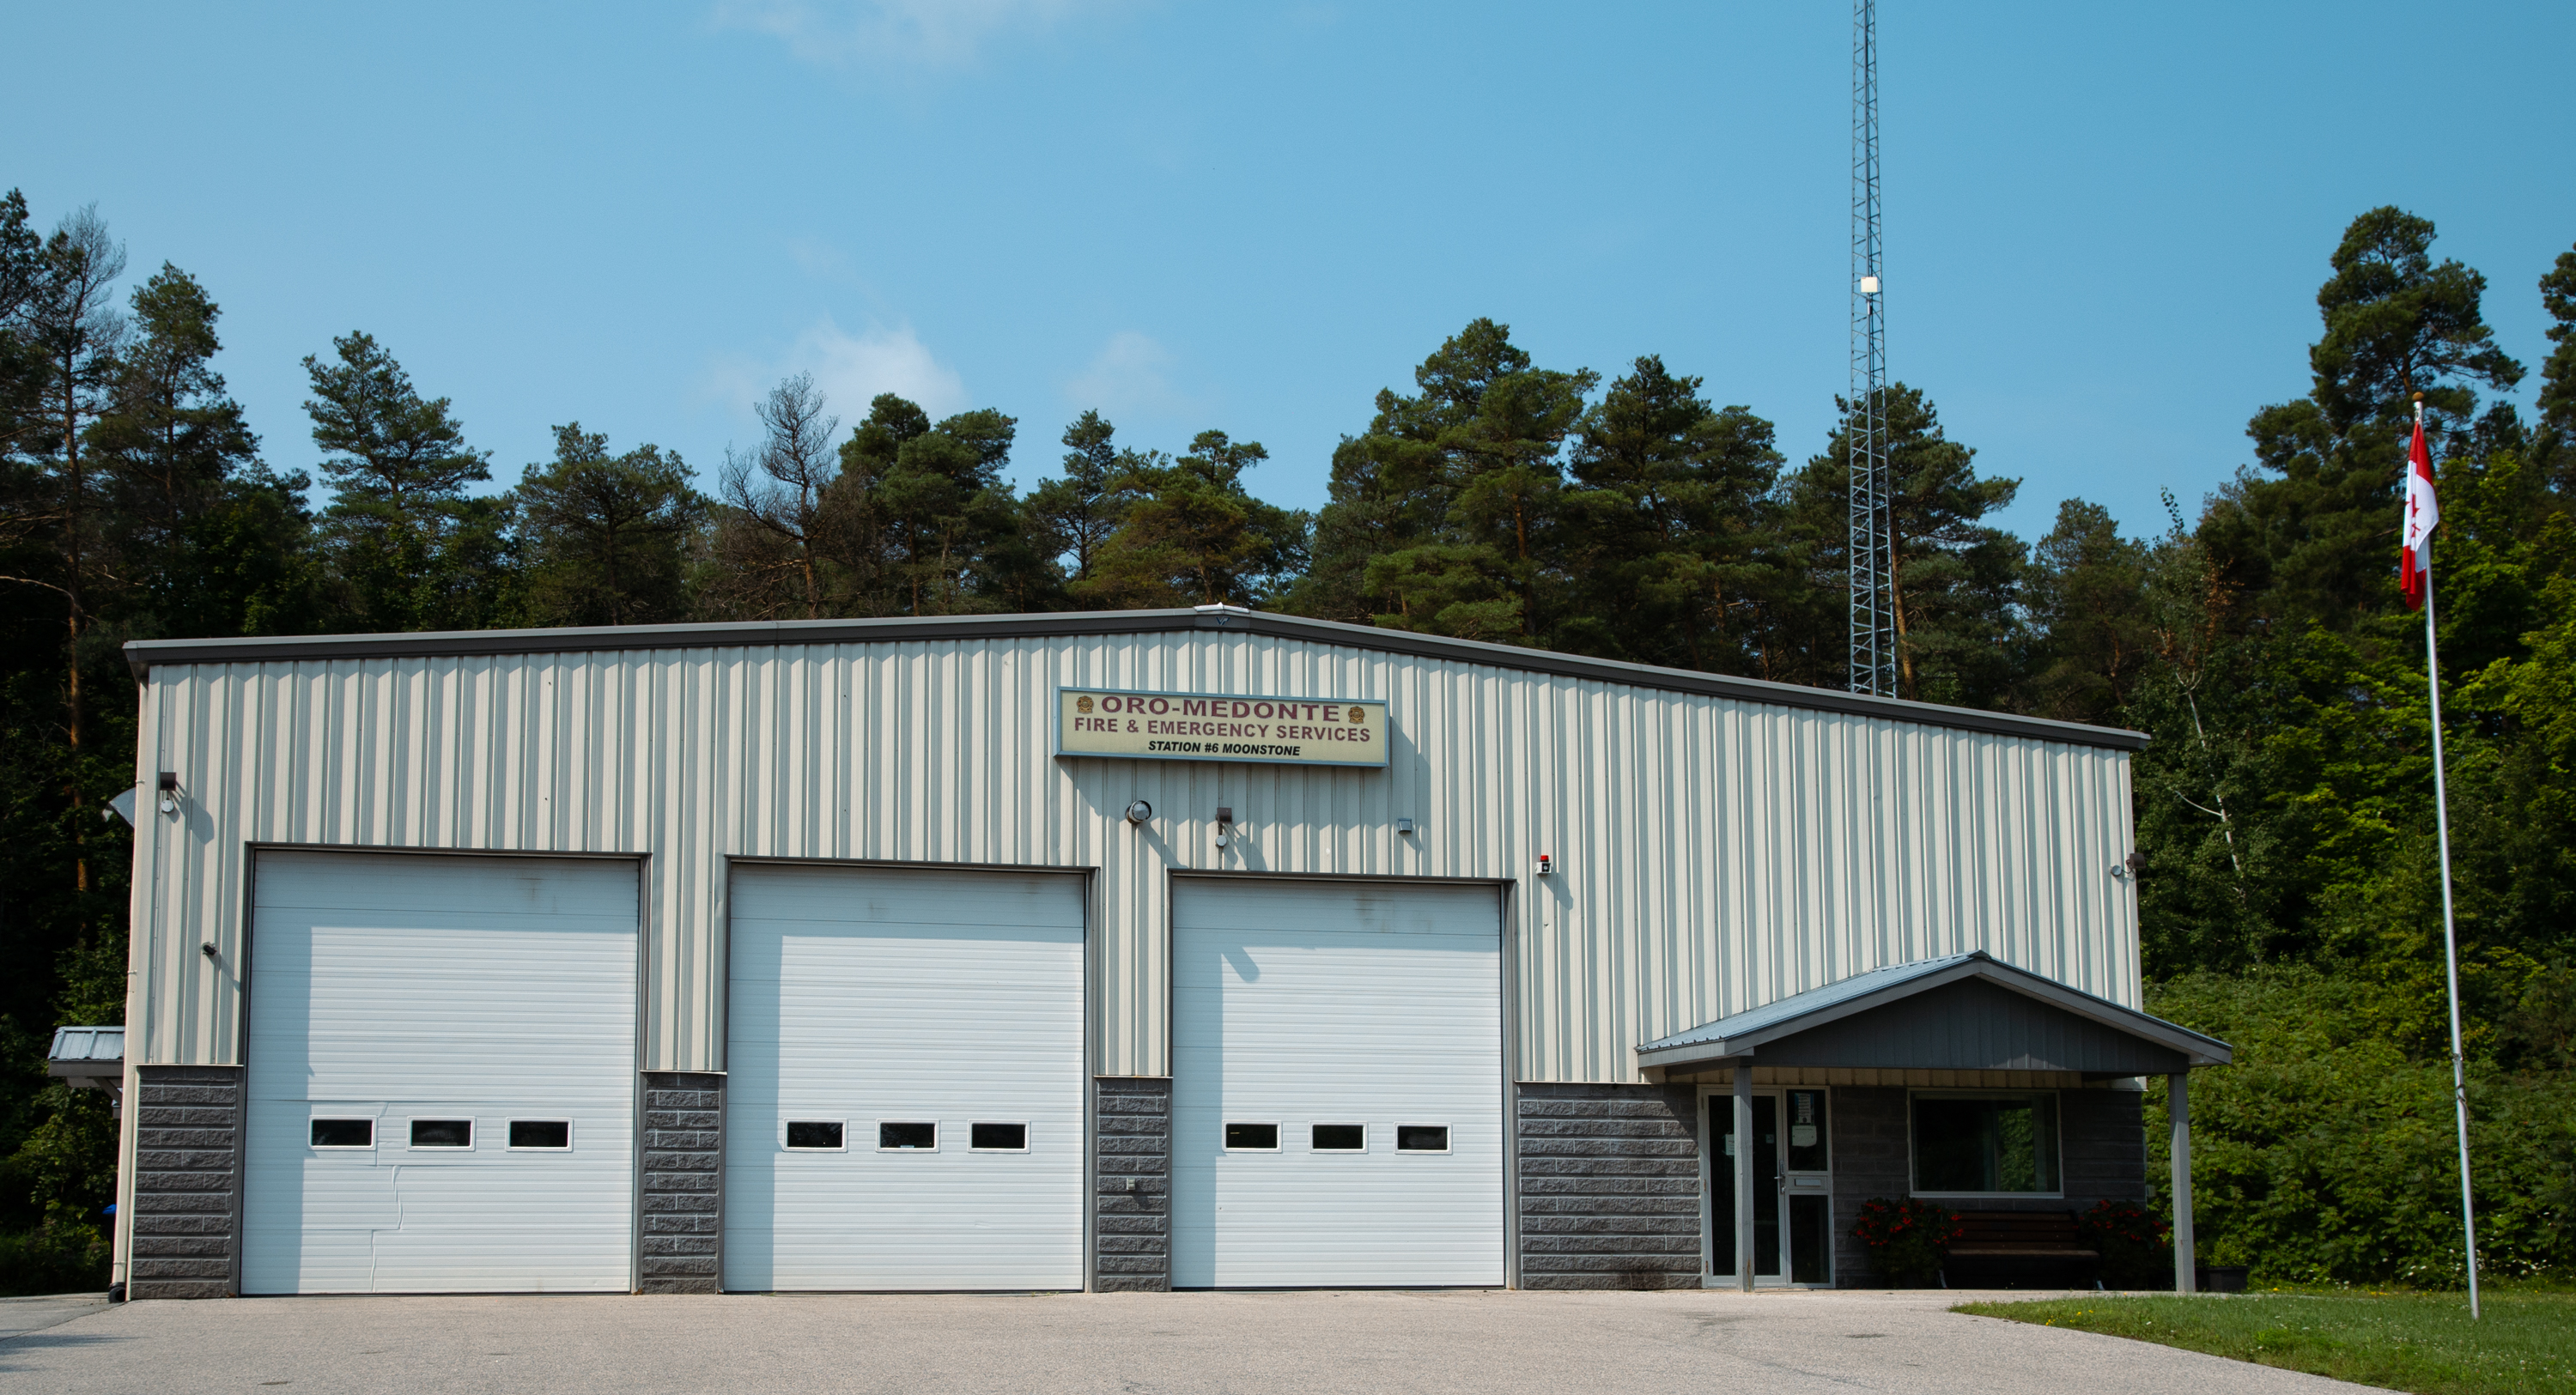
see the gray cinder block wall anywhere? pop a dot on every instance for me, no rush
(1131, 1196)
(1609, 1186)
(681, 1237)
(1869, 1162)
(2102, 1150)
(187, 1182)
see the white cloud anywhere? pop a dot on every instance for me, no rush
(851, 369)
(1127, 376)
(922, 33)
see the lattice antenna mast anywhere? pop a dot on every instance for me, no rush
(1872, 546)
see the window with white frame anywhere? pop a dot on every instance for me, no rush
(1985, 1143)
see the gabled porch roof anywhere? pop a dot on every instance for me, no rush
(1960, 1012)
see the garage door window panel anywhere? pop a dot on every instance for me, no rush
(816, 1136)
(1251, 1137)
(541, 1135)
(998, 1138)
(907, 1136)
(455, 1135)
(346, 1134)
(1340, 1138)
(1422, 1138)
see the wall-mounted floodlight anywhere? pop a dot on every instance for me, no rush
(169, 791)
(1224, 821)
(1139, 811)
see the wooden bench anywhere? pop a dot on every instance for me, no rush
(2011, 1249)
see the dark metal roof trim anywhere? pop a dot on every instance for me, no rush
(142, 656)
(1743, 1034)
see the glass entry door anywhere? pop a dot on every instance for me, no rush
(1793, 1230)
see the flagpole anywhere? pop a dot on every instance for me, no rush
(2450, 934)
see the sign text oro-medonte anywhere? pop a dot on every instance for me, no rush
(1210, 726)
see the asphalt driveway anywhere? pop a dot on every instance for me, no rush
(1487, 1343)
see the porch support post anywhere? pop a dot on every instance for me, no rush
(2178, 1108)
(1744, 1146)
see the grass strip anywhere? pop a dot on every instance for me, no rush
(2422, 1342)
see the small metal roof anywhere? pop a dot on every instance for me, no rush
(77, 1050)
(144, 655)
(1743, 1034)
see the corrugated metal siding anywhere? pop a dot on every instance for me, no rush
(1714, 853)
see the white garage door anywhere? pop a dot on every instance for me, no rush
(1337, 1084)
(905, 1080)
(442, 1074)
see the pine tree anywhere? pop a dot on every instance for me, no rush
(1444, 515)
(1191, 534)
(2557, 404)
(416, 552)
(1668, 535)
(1069, 518)
(1956, 577)
(2086, 595)
(2309, 532)
(204, 539)
(604, 539)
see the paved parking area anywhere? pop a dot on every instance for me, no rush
(23, 1315)
(1488, 1343)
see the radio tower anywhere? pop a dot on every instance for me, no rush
(1873, 583)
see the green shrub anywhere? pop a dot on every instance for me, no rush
(53, 1259)
(2135, 1242)
(2327, 1152)
(1907, 1240)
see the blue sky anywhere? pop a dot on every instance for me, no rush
(2106, 224)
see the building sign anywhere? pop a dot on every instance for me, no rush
(1206, 726)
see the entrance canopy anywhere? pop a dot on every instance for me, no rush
(1963, 1012)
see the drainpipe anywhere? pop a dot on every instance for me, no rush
(2178, 1109)
(1744, 1146)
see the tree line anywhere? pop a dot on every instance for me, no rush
(2289, 897)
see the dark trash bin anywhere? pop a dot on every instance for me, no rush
(2220, 1278)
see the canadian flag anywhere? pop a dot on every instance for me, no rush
(2423, 510)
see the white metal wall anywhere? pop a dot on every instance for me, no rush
(1715, 853)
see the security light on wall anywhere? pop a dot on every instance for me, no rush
(169, 791)
(1224, 823)
(1139, 811)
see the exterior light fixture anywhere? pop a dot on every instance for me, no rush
(1139, 811)
(169, 791)
(1224, 818)
(1546, 865)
